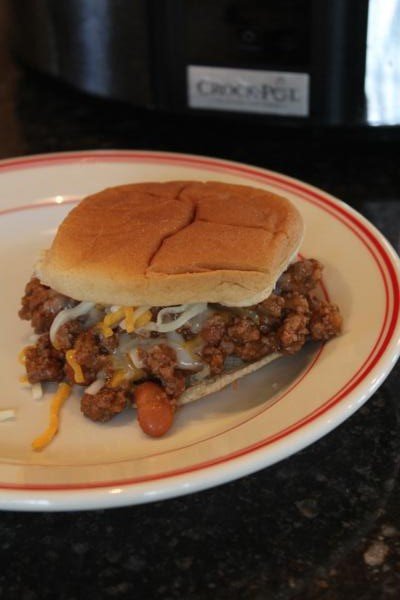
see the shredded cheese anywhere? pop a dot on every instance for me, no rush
(135, 358)
(106, 331)
(37, 391)
(113, 318)
(143, 319)
(188, 311)
(129, 319)
(95, 387)
(58, 400)
(22, 355)
(36, 388)
(117, 377)
(75, 366)
(68, 314)
(7, 414)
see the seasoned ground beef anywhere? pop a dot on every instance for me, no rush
(186, 332)
(43, 362)
(227, 346)
(326, 320)
(249, 351)
(294, 302)
(160, 362)
(106, 404)
(301, 276)
(93, 352)
(214, 329)
(41, 304)
(238, 336)
(281, 323)
(271, 307)
(292, 334)
(243, 330)
(214, 357)
(67, 335)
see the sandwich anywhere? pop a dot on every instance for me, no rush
(154, 295)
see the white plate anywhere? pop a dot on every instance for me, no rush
(265, 418)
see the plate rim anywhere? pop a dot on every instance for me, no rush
(98, 494)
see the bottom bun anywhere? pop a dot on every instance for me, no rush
(214, 384)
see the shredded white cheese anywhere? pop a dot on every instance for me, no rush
(67, 315)
(184, 358)
(95, 387)
(187, 313)
(7, 415)
(134, 356)
(203, 374)
(170, 310)
(37, 391)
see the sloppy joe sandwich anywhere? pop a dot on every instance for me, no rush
(156, 294)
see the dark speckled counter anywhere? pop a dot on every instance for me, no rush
(323, 524)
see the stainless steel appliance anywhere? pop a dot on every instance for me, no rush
(302, 61)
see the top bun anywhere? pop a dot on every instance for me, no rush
(171, 243)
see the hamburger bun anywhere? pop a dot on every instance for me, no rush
(173, 243)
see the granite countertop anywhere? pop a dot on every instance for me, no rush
(323, 524)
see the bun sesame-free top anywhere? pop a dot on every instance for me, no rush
(172, 243)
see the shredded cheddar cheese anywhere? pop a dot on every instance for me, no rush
(114, 317)
(110, 320)
(58, 400)
(129, 319)
(126, 313)
(106, 331)
(23, 379)
(117, 377)
(133, 374)
(22, 355)
(75, 366)
(143, 319)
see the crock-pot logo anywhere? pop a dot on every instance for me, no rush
(248, 90)
(276, 91)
